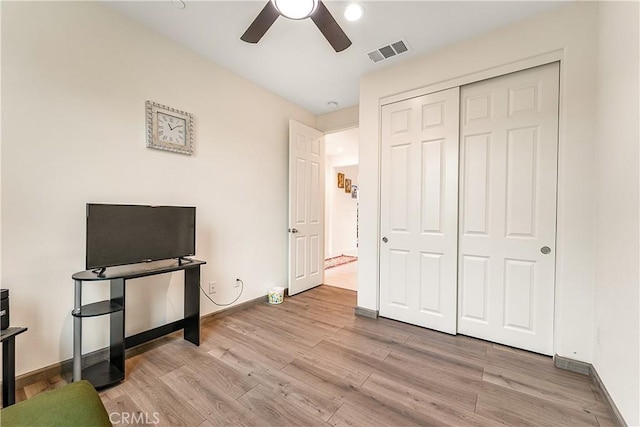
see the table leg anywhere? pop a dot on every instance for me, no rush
(77, 334)
(116, 326)
(192, 305)
(8, 372)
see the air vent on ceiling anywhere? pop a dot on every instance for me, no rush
(388, 51)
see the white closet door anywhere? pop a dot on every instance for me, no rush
(419, 205)
(509, 144)
(306, 207)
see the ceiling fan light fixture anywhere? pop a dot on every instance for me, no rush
(315, 10)
(295, 9)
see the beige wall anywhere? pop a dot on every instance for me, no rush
(338, 120)
(75, 78)
(617, 285)
(567, 34)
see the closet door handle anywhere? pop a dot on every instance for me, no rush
(545, 250)
(385, 240)
(293, 230)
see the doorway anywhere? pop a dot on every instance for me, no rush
(341, 209)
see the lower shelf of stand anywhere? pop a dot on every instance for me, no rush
(102, 374)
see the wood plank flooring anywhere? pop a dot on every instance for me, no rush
(311, 362)
(343, 276)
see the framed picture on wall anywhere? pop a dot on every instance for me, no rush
(354, 191)
(340, 180)
(347, 186)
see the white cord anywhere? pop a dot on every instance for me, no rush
(225, 305)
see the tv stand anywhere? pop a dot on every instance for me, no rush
(112, 370)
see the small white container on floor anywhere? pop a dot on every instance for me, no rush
(276, 295)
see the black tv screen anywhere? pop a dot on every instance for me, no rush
(129, 234)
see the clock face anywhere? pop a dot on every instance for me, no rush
(172, 129)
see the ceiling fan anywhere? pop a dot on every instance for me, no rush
(298, 9)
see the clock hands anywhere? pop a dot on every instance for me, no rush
(172, 128)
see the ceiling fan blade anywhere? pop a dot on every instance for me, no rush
(330, 28)
(261, 24)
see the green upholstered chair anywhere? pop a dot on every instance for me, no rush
(75, 404)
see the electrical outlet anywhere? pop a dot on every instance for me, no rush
(212, 288)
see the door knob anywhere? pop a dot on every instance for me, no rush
(385, 240)
(545, 250)
(293, 230)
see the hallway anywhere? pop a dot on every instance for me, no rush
(344, 276)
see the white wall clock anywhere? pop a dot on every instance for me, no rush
(169, 129)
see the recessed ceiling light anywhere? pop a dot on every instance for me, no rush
(353, 12)
(332, 104)
(180, 4)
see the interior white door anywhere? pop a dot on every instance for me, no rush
(419, 210)
(306, 207)
(508, 178)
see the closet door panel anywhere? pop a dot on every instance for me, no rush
(508, 172)
(419, 205)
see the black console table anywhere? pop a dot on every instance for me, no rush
(8, 340)
(111, 371)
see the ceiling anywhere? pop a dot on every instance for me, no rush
(294, 60)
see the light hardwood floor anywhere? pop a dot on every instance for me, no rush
(310, 361)
(344, 276)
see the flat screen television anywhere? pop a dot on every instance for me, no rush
(130, 234)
